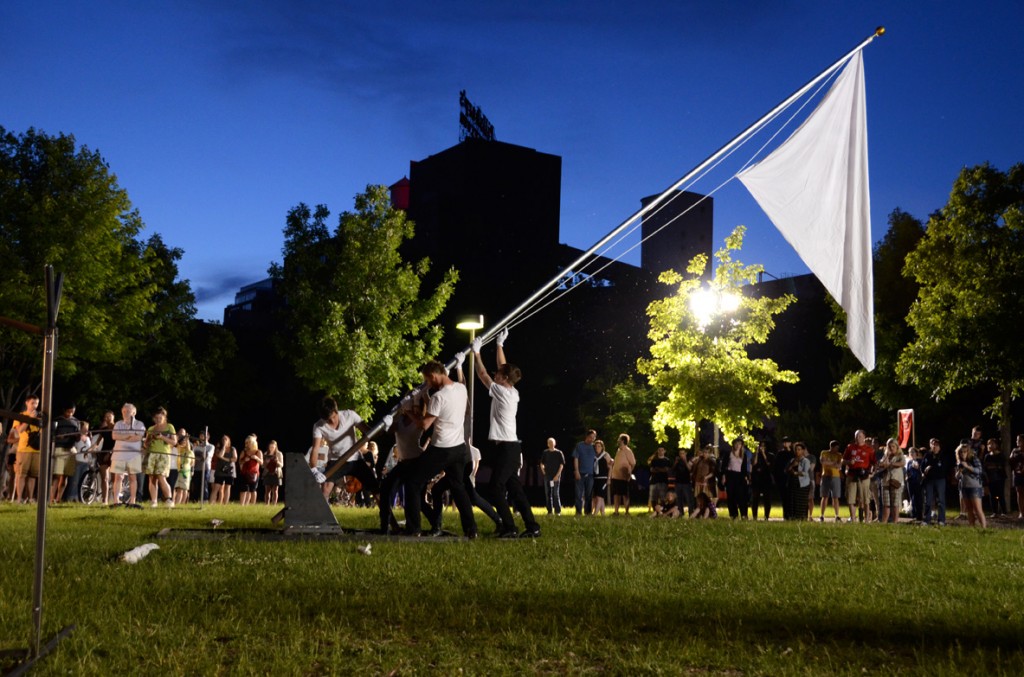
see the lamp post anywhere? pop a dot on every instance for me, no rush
(708, 303)
(470, 323)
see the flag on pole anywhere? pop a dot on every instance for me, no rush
(814, 188)
(905, 422)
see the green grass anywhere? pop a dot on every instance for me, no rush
(592, 596)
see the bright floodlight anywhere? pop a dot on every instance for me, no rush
(470, 322)
(706, 303)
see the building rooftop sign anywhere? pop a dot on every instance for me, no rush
(473, 124)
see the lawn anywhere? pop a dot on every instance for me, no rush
(592, 596)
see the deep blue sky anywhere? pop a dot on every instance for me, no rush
(217, 117)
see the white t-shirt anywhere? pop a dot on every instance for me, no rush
(127, 450)
(504, 404)
(339, 440)
(449, 406)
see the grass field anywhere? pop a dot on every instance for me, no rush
(592, 596)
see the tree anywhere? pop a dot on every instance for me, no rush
(894, 293)
(358, 328)
(702, 362)
(61, 205)
(969, 265)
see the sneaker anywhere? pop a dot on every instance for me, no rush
(169, 503)
(510, 533)
(533, 532)
(153, 504)
(821, 519)
(133, 505)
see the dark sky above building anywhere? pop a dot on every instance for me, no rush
(217, 117)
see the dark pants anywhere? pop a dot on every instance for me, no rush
(684, 499)
(935, 500)
(503, 459)
(551, 496)
(762, 494)
(916, 499)
(435, 514)
(997, 501)
(736, 493)
(584, 492)
(389, 488)
(452, 460)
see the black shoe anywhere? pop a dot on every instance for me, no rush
(471, 535)
(532, 532)
(436, 531)
(509, 533)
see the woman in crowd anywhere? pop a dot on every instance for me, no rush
(103, 440)
(273, 466)
(224, 471)
(250, 464)
(761, 480)
(972, 479)
(736, 467)
(703, 475)
(799, 471)
(160, 444)
(602, 466)
(892, 466)
(185, 462)
(1017, 470)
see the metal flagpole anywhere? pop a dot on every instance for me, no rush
(495, 328)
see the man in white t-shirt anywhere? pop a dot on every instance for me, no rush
(127, 456)
(336, 430)
(504, 451)
(446, 412)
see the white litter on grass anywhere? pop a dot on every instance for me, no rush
(216, 523)
(365, 549)
(135, 554)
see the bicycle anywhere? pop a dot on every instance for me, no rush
(90, 490)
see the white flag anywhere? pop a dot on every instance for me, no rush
(814, 188)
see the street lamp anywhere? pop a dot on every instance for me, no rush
(470, 323)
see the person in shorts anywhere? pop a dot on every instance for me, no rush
(126, 458)
(622, 470)
(831, 461)
(273, 466)
(858, 459)
(26, 458)
(67, 432)
(185, 463)
(160, 443)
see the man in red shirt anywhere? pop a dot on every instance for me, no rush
(858, 459)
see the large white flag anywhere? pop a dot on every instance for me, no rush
(814, 188)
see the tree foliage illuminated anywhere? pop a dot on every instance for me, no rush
(703, 366)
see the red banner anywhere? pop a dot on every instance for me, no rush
(905, 418)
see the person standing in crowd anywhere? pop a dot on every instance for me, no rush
(703, 473)
(994, 463)
(858, 459)
(583, 457)
(892, 467)
(104, 443)
(336, 429)
(446, 413)
(126, 459)
(552, 462)
(684, 484)
(225, 469)
(26, 458)
(83, 449)
(622, 470)
(1017, 473)
(736, 467)
(914, 479)
(160, 443)
(67, 432)
(831, 462)
(273, 468)
(972, 479)
(505, 453)
(799, 472)
(203, 475)
(933, 469)
(660, 465)
(250, 464)
(761, 480)
(185, 462)
(602, 468)
(408, 448)
(779, 472)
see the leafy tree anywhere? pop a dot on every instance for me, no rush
(61, 205)
(358, 326)
(969, 266)
(893, 294)
(702, 364)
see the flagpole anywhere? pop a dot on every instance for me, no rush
(736, 140)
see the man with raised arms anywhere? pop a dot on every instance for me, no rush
(504, 450)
